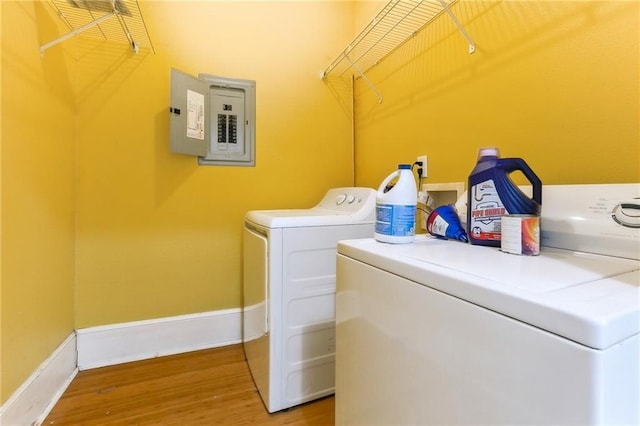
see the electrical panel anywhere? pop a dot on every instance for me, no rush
(213, 118)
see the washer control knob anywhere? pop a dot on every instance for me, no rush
(351, 198)
(627, 213)
(340, 199)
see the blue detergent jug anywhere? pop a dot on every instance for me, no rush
(492, 194)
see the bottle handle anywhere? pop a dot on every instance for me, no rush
(514, 164)
(385, 182)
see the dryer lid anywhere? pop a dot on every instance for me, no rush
(339, 206)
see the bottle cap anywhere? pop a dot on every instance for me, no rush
(488, 152)
(404, 166)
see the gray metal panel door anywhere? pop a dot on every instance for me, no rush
(189, 111)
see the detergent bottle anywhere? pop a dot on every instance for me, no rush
(396, 208)
(492, 194)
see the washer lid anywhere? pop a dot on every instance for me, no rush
(588, 298)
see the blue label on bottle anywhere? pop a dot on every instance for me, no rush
(395, 220)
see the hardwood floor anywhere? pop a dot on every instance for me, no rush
(199, 388)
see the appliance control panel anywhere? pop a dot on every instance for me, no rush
(599, 218)
(348, 200)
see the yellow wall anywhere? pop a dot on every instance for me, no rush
(553, 82)
(154, 233)
(2, 398)
(159, 235)
(38, 193)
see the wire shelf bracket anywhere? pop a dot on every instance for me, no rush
(472, 44)
(398, 21)
(95, 16)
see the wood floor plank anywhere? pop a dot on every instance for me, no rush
(198, 388)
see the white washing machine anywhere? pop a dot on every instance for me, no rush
(443, 332)
(289, 293)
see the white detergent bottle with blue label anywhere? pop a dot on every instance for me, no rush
(396, 208)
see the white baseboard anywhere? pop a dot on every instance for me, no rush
(114, 344)
(134, 341)
(33, 400)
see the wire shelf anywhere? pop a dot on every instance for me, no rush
(398, 21)
(114, 20)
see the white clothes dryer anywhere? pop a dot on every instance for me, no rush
(289, 293)
(443, 332)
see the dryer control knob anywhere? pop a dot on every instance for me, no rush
(340, 199)
(351, 199)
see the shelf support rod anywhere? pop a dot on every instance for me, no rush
(472, 44)
(75, 32)
(371, 85)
